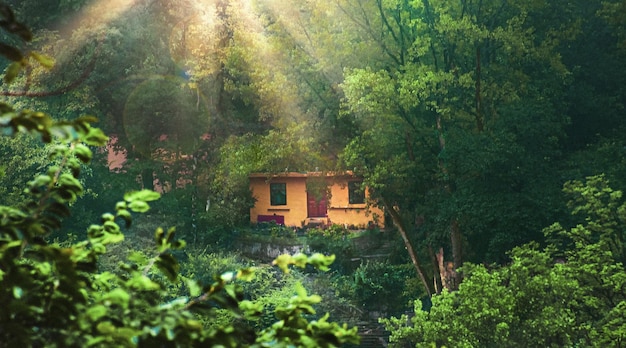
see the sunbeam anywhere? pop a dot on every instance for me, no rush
(97, 15)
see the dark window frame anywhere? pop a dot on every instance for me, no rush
(278, 193)
(356, 193)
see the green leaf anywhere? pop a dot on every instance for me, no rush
(128, 333)
(193, 324)
(70, 182)
(283, 262)
(168, 265)
(111, 227)
(143, 195)
(171, 232)
(112, 238)
(106, 328)
(159, 233)
(99, 248)
(96, 341)
(321, 261)
(154, 331)
(125, 215)
(45, 61)
(17, 292)
(95, 137)
(83, 153)
(107, 217)
(142, 283)
(96, 312)
(228, 277)
(138, 258)
(251, 309)
(12, 71)
(41, 180)
(300, 260)
(138, 206)
(194, 288)
(246, 274)
(118, 297)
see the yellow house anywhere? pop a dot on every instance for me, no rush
(313, 198)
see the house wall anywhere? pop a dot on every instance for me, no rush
(294, 212)
(340, 211)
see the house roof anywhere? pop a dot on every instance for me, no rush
(301, 174)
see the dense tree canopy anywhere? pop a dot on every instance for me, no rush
(465, 120)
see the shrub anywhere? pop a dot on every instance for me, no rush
(55, 295)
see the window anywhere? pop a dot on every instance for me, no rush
(278, 194)
(356, 194)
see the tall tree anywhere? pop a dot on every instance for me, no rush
(460, 124)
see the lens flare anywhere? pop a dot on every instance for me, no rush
(165, 119)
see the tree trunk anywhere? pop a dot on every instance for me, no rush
(438, 280)
(147, 178)
(457, 250)
(397, 221)
(455, 231)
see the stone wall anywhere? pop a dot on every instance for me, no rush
(268, 251)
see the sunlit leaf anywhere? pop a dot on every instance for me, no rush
(143, 195)
(246, 274)
(321, 261)
(142, 283)
(300, 260)
(159, 233)
(107, 217)
(45, 61)
(138, 206)
(283, 261)
(83, 153)
(138, 257)
(12, 71)
(95, 137)
(120, 206)
(106, 327)
(194, 288)
(118, 297)
(96, 312)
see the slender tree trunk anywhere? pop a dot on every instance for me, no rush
(397, 221)
(457, 251)
(438, 280)
(478, 97)
(147, 178)
(455, 231)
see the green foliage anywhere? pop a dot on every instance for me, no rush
(20, 60)
(319, 261)
(28, 156)
(378, 286)
(456, 127)
(333, 240)
(56, 296)
(551, 297)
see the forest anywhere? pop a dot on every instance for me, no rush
(492, 134)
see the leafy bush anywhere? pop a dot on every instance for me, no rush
(545, 297)
(54, 294)
(333, 241)
(377, 286)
